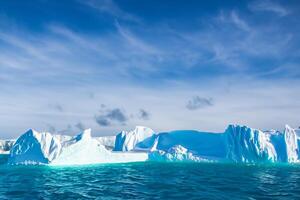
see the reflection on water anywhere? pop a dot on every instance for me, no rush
(152, 181)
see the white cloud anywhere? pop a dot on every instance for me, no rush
(269, 6)
(239, 22)
(111, 8)
(123, 68)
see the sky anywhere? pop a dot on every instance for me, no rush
(110, 65)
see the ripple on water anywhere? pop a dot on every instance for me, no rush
(151, 181)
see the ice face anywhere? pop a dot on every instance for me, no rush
(35, 147)
(141, 138)
(244, 144)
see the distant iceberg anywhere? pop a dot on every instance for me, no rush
(236, 144)
(6, 145)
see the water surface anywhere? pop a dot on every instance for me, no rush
(151, 181)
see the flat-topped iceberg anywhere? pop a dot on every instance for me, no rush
(236, 144)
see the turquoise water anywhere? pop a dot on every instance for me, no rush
(151, 181)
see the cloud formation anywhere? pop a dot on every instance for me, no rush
(108, 117)
(269, 6)
(199, 102)
(117, 116)
(56, 107)
(109, 51)
(111, 8)
(143, 114)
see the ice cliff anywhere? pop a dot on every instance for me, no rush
(236, 144)
(140, 138)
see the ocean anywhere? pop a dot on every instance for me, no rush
(151, 180)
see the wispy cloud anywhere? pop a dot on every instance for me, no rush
(111, 8)
(139, 45)
(239, 22)
(269, 6)
(155, 63)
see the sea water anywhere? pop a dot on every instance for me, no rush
(151, 180)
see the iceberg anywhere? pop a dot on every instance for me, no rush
(107, 141)
(236, 144)
(239, 144)
(47, 149)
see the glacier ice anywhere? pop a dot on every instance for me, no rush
(83, 149)
(44, 148)
(138, 139)
(244, 144)
(35, 147)
(236, 144)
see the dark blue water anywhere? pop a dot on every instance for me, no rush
(151, 181)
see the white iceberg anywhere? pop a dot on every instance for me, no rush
(236, 144)
(44, 148)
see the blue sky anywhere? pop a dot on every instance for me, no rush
(110, 65)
